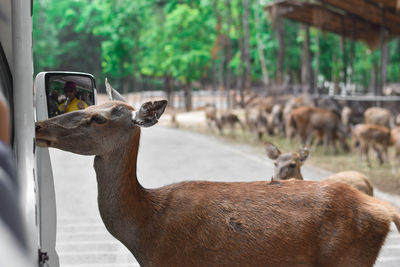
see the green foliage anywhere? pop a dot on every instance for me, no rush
(183, 44)
(183, 39)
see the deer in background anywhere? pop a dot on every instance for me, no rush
(256, 121)
(325, 124)
(230, 119)
(377, 137)
(201, 223)
(288, 166)
(345, 115)
(226, 118)
(395, 141)
(210, 113)
(378, 116)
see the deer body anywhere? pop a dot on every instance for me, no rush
(353, 178)
(288, 166)
(378, 116)
(370, 135)
(290, 223)
(395, 141)
(256, 120)
(307, 120)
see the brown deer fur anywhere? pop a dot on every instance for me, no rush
(395, 141)
(378, 116)
(355, 179)
(290, 105)
(290, 223)
(230, 119)
(210, 112)
(309, 120)
(256, 120)
(288, 166)
(371, 135)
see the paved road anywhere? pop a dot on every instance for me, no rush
(165, 156)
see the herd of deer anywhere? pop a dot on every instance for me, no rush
(297, 118)
(261, 223)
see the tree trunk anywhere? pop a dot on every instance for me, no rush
(373, 84)
(125, 85)
(240, 77)
(384, 60)
(216, 50)
(228, 54)
(317, 63)
(169, 90)
(188, 95)
(280, 25)
(344, 58)
(260, 44)
(246, 55)
(306, 61)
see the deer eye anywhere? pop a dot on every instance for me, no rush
(292, 165)
(98, 119)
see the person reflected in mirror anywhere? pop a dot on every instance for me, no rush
(71, 103)
(54, 103)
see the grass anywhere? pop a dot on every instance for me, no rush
(381, 176)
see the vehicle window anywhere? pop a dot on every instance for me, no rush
(6, 86)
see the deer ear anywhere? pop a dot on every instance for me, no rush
(304, 154)
(149, 113)
(113, 94)
(272, 151)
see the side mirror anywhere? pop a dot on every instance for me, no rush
(50, 92)
(61, 92)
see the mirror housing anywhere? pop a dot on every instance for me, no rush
(51, 92)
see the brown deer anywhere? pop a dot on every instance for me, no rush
(378, 116)
(395, 141)
(322, 123)
(256, 120)
(288, 166)
(365, 136)
(210, 113)
(289, 106)
(345, 115)
(275, 120)
(230, 119)
(293, 223)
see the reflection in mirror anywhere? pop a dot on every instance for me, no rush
(66, 93)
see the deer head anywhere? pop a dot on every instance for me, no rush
(287, 165)
(97, 130)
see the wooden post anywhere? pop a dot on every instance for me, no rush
(384, 54)
(306, 61)
(281, 52)
(317, 56)
(352, 50)
(343, 48)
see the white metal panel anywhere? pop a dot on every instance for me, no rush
(22, 72)
(47, 213)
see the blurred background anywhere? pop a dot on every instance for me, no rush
(220, 45)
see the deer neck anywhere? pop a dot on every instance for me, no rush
(123, 203)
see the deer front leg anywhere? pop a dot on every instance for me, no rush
(378, 153)
(365, 151)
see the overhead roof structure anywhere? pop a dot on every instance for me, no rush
(358, 19)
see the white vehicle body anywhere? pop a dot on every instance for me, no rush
(27, 104)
